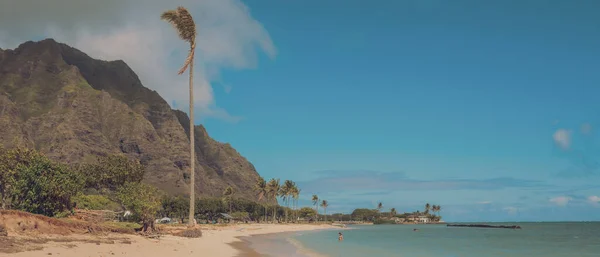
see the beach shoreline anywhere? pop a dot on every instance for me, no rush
(217, 241)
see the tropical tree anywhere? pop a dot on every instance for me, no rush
(295, 196)
(325, 204)
(31, 182)
(261, 190)
(111, 172)
(306, 212)
(285, 194)
(183, 22)
(273, 188)
(379, 207)
(228, 197)
(175, 207)
(142, 199)
(315, 200)
(393, 212)
(427, 208)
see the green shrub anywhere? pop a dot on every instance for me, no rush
(95, 202)
(111, 172)
(143, 200)
(35, 184)
(383, 221)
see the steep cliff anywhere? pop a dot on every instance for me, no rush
(72, 107)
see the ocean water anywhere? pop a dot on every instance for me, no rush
(533, 240)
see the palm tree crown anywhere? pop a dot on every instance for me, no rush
(182, 21)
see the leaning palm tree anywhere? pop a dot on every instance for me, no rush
(273, 189)
(325, 204)
(261, 190)
(183, 22)
(315, 200)
(427, 208)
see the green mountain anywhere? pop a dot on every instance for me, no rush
(60, 101)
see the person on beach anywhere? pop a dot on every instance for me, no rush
(340, 236)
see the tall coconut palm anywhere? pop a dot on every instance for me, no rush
(315, 201)
(286, 193)
(379, 207)
(261, 190)
(273, 189)
(295, 196)
(325, 204)
(228, 197)
(427, 208)
(183, 22)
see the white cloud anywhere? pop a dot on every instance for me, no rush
(586, 128)
(594, 199)
(562, 138)
(561, 200)
(131, 30)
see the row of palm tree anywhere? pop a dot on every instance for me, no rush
(432, 208)
(435, 209)
(288, 192)
(318, 202)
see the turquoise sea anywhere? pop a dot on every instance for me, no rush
(533, 240)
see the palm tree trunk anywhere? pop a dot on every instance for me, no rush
(265, 214)
(192, 154)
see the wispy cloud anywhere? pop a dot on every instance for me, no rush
(561, 200)
(131, 30)
(338, 180)
(594, 199)
(582, 154)
(562, 138)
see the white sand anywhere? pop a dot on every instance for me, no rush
(214, 243)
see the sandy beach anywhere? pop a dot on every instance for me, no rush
(216, 241)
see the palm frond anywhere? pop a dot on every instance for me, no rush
(182, 21)
(170, 16)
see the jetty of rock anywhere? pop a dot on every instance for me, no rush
(482, 226)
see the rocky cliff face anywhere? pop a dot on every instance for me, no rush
(58, 100)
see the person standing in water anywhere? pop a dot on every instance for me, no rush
(340, 237)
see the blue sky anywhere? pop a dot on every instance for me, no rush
(487, 108)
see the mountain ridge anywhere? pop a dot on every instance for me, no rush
(71, 107)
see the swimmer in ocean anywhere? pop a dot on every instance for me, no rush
(340, 237)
